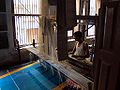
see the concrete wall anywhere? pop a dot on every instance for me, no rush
(9, 54)
(8, 14)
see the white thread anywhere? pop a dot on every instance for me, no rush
(13, 81)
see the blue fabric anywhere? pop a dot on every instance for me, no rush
(35, 77)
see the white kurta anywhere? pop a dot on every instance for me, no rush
(80, 49)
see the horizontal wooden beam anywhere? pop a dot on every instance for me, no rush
(87, 17)
(27, 15)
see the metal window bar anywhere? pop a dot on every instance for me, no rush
(26, 13)
(26, 29)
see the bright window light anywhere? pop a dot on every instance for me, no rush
(69, 33)
(91, 31)
(92, 7)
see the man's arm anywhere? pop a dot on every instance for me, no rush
(86, 48)
(74, 48)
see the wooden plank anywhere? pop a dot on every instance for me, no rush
(26, 14)
(87, 17)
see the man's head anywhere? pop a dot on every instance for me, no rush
(78, 36)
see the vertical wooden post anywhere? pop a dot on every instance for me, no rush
(61, 31)
(66, 19)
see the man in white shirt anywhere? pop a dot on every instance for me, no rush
(81, 47)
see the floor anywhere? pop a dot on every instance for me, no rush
(32, 77)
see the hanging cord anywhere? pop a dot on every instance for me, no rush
(52, 39)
